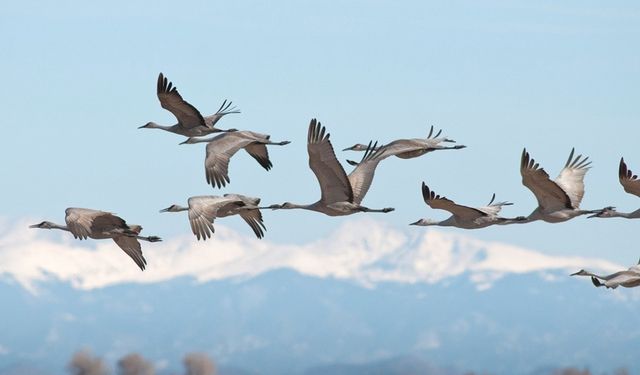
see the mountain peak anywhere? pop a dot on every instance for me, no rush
(365, 251)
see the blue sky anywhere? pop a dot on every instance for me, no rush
(79, 78)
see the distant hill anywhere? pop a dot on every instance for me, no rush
(439, 301)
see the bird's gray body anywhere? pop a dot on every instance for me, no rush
(190, 122)
(463, 216)
(628, 279)
(411, 148)
(558, 200)
(631, 184)
(86, 223)
(340, 194)
(222, 147)
(204, 209)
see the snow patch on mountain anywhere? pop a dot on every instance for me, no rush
(365, 251)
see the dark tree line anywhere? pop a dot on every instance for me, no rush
(85, 363)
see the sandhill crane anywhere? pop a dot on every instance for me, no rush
(340, 194)
(222, 147)
(628, 279)
(203, 210)
(84, 222)
(631, 185)
(463, 216)
(411, 148)
(558, 200)
(190, 122)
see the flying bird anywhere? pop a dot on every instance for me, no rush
(628, 279)
(410, 148)
(631, 185)
(340, 194)
(204, 209)
(464, 216)
(222, 147)
(558, 200)
(190, 122)
(85, 223)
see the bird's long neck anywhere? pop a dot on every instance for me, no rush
(153, 125)
(534, 216)
(627, 215)
(605, 277)
(302, 206)
(450, 222)
(203, 140)
(61, 227)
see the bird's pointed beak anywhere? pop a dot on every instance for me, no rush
(415, 223)
(275, 206)
(349, 148)
(597, 214)
(185, 142)
(165, 209)
(576, 273)
(143, 126)
(34, 226)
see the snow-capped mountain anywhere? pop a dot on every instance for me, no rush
(369, 293)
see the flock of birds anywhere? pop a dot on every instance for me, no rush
(341, 193)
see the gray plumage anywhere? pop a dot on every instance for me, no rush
(86, 223)
(464, 216)
(222, 147)
(628, 279)
(558, 200)
(204, 209)
(411, 148)
(631, 184)
(340, 194)
(190, 122)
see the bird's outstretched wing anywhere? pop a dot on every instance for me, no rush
(361, 177)
(571, 178)
(253, 217)
(84, 222)
(219, 152)
(334, 183)
(462, 213)
(549, 194)
(628, 180)
(202, 213)
(131, 246)
(259, 152)
(188, 116)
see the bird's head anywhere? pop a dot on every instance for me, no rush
(172, 208)
(580, 273)
(148, 125)
(424, 222)
(605, 212)
(356, 147)
(43, 225)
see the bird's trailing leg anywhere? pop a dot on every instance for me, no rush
(515, 220)
(149, 238)
(604, 212)
(456, 147)
(384, 210)
(225, 131)
(277, 143)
